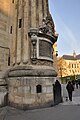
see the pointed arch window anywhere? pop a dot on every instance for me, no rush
(20, 23)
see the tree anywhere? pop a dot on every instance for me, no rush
(62, 71)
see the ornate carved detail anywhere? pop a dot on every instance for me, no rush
(48, 26)
(39, 46)
(43, 62)
(33, 34)
(33, 46)
(33, 31)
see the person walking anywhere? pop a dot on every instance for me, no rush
(77, 84)
(70, 89)
(73, 83)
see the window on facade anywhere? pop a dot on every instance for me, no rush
(69, 65)
(12, 1)
(75, 65)
(20, 23)
(38, 88)
(73, 71)
(72, 65)
(8, 61)
(11, 30)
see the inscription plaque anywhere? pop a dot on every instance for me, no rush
(45, 49)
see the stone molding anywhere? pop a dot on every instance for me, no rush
(36, 36)
(35, 31)
(32, 71)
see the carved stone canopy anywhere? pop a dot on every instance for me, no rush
(35, 32)
(48, 26)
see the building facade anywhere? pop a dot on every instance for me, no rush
(69, 65)
(4, 34)
(55, 55)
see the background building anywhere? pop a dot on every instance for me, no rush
(55, 54)
(69, 65)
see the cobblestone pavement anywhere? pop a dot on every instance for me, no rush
(64, 111)
(59, 112)
(75, 98)
(75, 101)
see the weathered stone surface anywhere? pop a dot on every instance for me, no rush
(2, 98)
(26, 37)
(45, 49)
(4, 33)
(33, 72)
(30, 81)
(26, 94)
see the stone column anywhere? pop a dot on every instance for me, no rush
(20, 32)
(26, 24)
(40, 12)
(15, 25)
(33, 13)
(37, 14)
(31, 79)
(21, 26)
(11, 31)
(46, 9)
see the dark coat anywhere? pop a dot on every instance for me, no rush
(57, 92)
(69, 87)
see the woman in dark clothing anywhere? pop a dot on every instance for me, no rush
(70, 89)
(57, 92)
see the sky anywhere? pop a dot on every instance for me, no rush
(66, 16)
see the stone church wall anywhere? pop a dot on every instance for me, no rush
(4, 33)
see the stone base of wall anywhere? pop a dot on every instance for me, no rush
(19, 71)
(30, 107)
(23, 92)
